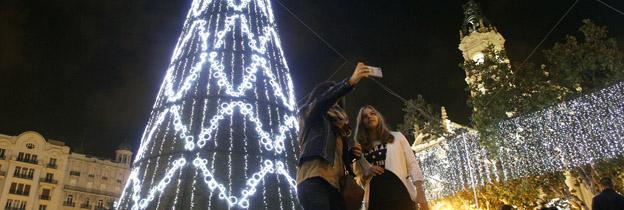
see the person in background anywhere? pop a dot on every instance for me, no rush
(390, 173)
(324, 137)
(608, 199)
(506, 207)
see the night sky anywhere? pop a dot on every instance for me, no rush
(87, 72)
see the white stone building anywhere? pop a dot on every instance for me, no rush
(40, 174)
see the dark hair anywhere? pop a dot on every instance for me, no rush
(606, 182)
(362, 135)
(318, 90)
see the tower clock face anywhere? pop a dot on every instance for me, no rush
(478, 57)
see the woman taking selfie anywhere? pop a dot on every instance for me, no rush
(390, 172)
(324, 140)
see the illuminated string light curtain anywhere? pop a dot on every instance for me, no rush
(455, 164)
(567, 135)
(222, 131)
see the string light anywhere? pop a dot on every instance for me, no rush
(223, 60)
(565, 136)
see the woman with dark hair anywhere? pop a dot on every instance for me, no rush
(324, 140)
(389, 171)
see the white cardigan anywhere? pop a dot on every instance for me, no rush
(400, 160)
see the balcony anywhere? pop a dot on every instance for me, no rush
(93, 191)
(44, 197)
(23, 176)
(46, 180)
(72, 204)
(52, 165)
(17, 192)
(33, 161)
(85, 206)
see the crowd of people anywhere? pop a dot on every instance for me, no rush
(371, 168)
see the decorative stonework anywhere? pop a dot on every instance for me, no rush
(476, 42)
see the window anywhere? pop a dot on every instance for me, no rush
(13, 189)
(26, 190)
(52, 163)
(42, 207)
(25, 157)
(24, 173)
(19, 189)
(69, 201)
(30, 146)
(15, 205)
(31, 172)
(104, 178)
(49, 176)
(74, 173)
(2, 151)
(17, 171)
(99, 204)
(45, 194)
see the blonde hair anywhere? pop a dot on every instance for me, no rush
(363, 135)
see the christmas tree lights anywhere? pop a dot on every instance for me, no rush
(568, 135)
(222, 131)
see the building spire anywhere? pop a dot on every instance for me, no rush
(474, 20)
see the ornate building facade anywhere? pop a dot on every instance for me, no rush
(43, 174)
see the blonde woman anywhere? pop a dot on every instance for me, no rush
(388, 170)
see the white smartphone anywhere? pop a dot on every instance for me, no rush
(375, 71)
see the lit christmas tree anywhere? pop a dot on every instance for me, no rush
(222, 132)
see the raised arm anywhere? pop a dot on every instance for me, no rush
(328, 98)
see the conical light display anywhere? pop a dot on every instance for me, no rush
(222, 132)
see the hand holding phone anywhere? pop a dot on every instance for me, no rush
(375, 71)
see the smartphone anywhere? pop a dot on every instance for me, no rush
(375, 71)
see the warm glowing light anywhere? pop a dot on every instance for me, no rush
(568, 135)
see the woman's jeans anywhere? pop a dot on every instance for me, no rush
(317, 194)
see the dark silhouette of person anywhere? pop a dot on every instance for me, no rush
(608, 199)
(506, 207)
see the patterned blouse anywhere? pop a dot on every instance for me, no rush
(377, 155)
